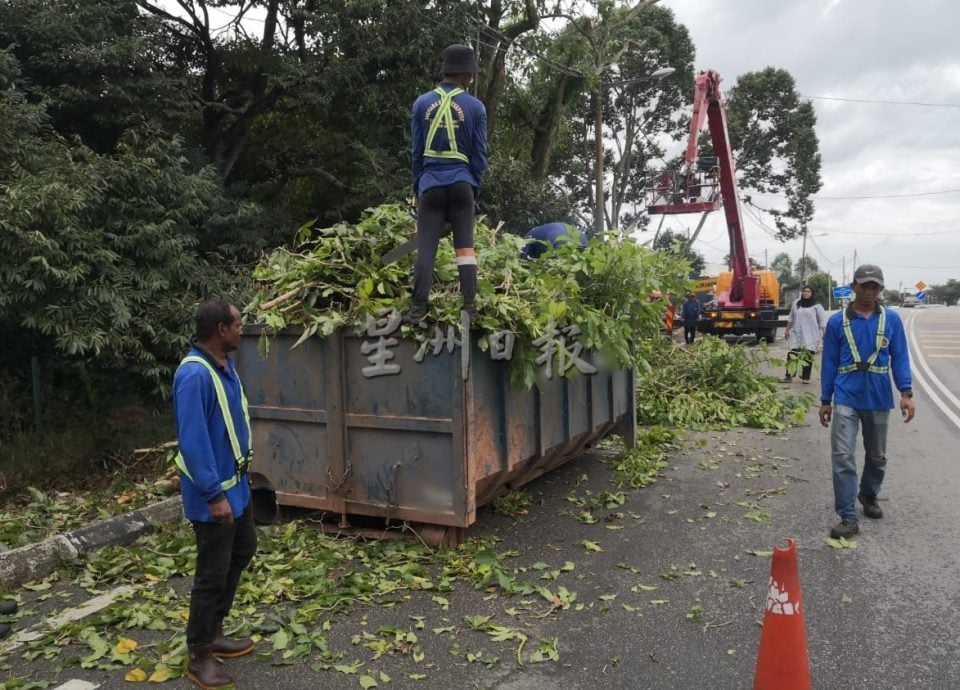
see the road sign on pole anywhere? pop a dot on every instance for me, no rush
(842, 292)
(921, 286)
(921, 295)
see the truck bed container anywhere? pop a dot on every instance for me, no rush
(429, 443)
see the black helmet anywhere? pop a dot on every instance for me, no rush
(459, 59)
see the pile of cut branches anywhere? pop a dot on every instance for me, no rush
(713, 385)
(333, 278)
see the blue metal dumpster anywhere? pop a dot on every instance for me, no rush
(385, 427)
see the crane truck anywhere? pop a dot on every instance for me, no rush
(747, 301)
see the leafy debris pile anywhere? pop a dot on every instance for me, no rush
(335, 278)
(713, 385)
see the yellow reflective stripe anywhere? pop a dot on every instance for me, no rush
(444, 117)
(853, 367)
(848, 332)
(182, 465)
(225, 485)
(224, 405)
(228, 484)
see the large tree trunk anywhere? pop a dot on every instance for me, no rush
(548, 123)
(493, 53)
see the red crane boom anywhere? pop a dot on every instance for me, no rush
(746, 301)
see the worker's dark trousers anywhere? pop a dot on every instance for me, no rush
(689, 334)
(223, 551)
(440, 205)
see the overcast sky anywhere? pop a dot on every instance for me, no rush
(877, 50)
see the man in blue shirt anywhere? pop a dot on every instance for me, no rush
(449, 131)
(690, 316)
(544, 236)
(213, 432)
(862, 345)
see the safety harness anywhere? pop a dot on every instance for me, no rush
(443, 117)
(242, 461)
(858, 363)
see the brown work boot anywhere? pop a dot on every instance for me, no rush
(205, 670)
(227, 648)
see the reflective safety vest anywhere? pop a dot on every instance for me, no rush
(443, 117)
(858, 363)
(242, 461)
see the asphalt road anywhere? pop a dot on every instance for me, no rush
(883, 614)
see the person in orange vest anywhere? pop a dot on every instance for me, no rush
(668, 318)
(670, 311)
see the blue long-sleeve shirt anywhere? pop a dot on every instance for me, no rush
(691, 310)
(203, 440)
(864, 390)
(552, 233)
(470, 123)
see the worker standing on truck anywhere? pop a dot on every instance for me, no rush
(862, 346)
(449, 130)
(213, 432)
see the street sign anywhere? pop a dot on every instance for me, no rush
(920, 285)
(920, 295)
(842, 292)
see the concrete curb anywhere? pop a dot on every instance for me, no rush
(36, 560)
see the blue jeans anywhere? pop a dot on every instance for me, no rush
(843, 447)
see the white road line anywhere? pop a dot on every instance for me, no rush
(70, 615)
(918, 358)
(77, 685)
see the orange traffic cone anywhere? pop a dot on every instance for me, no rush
(783, 663)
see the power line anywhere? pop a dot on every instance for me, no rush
(820, 251)
(941, 268)
(905, 233)
(817, 197)
(867, 100)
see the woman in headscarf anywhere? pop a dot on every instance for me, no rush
(804, 333)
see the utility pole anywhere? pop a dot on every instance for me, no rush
(803, 259)
(844, 270)
(598, 202)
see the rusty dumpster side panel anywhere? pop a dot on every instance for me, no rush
(424, 444)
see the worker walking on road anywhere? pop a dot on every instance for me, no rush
(692, 309)
(213, 432)
(805, 327)
(449, 130)
(862, 346)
